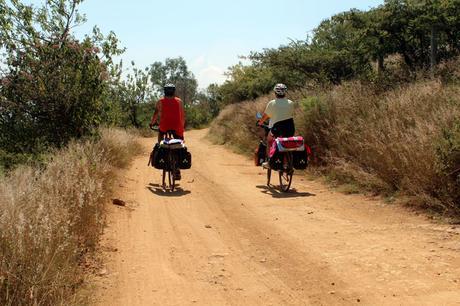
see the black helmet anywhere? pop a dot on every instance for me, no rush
(169, 89)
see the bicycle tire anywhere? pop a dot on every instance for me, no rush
(170, 169)
(286, 175)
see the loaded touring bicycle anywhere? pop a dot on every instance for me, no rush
(170, 156)
(285, 156)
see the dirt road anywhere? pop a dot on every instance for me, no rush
(225, 239)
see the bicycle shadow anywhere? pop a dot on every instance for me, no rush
(279, 194)
(157, 189)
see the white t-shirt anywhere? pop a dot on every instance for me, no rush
(279, 110)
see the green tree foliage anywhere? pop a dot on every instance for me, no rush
(137, 93)
(204, 108)
(52, 84)
(246, 82)
(355, 44)
(200, 106)
(175, 70)
(213, 98)
(136, 90)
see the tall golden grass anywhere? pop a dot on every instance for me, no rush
(50, 218)
(404, 140)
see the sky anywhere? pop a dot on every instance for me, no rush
(209, 35)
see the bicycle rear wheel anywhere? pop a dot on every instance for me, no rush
(287, 173)
(285, 180)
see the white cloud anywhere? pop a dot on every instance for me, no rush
(211, 74)
(206, 72)
(198, 62)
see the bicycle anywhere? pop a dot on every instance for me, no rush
(171, 163)
(286, 170)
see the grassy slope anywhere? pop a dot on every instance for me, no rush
(50, 218)
(405, 140)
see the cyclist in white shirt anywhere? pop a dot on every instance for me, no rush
(280, 111)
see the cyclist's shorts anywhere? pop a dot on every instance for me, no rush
(285, 128)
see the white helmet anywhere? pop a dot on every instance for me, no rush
(280, 89)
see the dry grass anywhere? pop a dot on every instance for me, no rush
(396, 136)
(236, 125)
(50, 218)
(405, 140)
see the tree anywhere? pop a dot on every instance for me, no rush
(214, 99)
(246, 83)
(174, 70)
(424, 32)
(51, 83)
(136, 90)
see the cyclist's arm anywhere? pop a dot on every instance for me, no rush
(182, 113)
(267, 113)
(264, 118)
(156, 113)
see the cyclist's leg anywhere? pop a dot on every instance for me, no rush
(270, 139)
(177, 136)
(161, 135)
(272, 135)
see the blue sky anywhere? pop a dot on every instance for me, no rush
(210, 35)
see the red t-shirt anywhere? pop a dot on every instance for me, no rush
(171, 115)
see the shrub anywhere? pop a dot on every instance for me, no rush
(448, 158)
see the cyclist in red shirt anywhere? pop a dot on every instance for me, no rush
(170, 109)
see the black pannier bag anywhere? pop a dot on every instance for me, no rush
(160, 156)
(260, 154)
(276, 160)
(184, 159)
(300, 160)
(152, 155)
